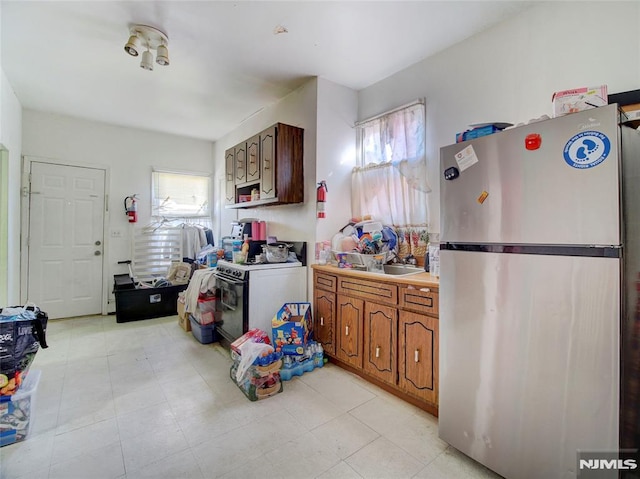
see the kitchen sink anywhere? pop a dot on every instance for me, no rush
(401, 269)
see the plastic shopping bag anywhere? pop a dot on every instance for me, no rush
(22, 332)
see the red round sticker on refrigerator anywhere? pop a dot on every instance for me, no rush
(532, 141)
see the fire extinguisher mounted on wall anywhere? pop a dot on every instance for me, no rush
(321, 198)
(131, 208)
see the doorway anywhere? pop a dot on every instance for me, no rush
(4, 226)
(65, 239)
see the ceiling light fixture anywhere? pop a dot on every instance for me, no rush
(153, 39)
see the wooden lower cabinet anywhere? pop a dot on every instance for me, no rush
(324, 320)
(349, 314)
(380, 341)
(418, 361)
(385, 332)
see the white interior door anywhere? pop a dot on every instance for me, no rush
(66, 239)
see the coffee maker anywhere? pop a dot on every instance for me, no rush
(241, 227)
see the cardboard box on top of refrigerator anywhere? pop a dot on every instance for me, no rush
(631, 115)
(290, 328)
(579, 99)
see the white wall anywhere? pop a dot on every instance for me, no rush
(129, 156)
(509, 73)
(11, 140)
(335, 157)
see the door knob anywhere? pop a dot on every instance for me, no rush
(98, 243)
(97, 253)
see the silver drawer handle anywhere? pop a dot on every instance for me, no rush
(426, 290)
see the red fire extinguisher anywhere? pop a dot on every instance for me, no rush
(131, 208)
(321, 198)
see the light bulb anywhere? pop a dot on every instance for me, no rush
(162, 56)
(147, 61)
(132, 46)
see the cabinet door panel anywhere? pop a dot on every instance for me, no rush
(241, 163)
(418, 374)
(349, 316)
(253, 159)
(229, 189)
(324, 320)
(268, 163)
(380, 339)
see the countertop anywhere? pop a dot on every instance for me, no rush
(418, 279)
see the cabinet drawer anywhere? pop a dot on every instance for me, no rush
(421, 299)
(378, 292)
(326, 282)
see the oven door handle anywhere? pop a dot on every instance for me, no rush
(227, 305)
(228, 281)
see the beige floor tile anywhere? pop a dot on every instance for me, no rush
(76, 415)
(336, 387)
(342, 470)
(181, 465)
(136, 399)
(83, 440)
(105, 463)
(380, 415)
(153, 419)
(256, 468)
(345, 434)
(382, 459)
(418, 436)
(452, 464)
(152, 446)
(27, 456)
(315, 457)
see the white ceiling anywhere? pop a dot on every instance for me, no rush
(226, 61)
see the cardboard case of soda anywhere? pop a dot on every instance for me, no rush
(290, 328)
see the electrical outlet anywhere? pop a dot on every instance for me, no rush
(116, 233)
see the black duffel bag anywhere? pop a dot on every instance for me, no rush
(22, 333)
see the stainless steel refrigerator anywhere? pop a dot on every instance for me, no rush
(539, 275)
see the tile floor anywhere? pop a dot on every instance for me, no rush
(146, 400)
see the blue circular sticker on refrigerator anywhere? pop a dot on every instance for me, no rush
(587, 149)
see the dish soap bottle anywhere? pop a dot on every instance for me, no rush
(245, 247)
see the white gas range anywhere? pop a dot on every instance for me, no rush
(251, 294)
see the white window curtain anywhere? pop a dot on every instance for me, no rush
(391, 183)
(180, 194)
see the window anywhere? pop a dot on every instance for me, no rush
(390, 182)
(184, 195)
